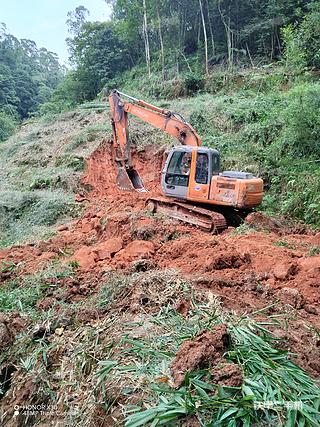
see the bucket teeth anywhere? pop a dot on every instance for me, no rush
(123, 181)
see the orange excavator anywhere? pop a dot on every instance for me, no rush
(194, 188)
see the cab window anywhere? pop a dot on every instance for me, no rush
(202, 168)
(179, 169)
(215, 161)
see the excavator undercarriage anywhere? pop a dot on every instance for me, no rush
(205, 219)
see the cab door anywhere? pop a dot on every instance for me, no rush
(176, 174)
(199, 186)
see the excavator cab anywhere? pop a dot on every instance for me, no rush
(193, 174)
(189, 170)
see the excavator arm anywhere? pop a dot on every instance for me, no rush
(168, 121)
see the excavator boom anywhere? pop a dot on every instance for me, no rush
(172, 123)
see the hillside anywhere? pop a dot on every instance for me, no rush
(39, 173)
(113, 314)
(103, 314)
(259, 120)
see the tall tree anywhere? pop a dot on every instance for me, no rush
(161, 41)
(146, 37)
(205, 36)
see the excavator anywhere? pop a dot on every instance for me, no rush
(195, 190)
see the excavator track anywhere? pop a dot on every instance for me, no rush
(205, 219)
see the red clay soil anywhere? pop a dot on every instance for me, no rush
(205, 350)
(247, 271)
(115, 230)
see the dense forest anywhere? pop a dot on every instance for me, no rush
(167, 38)
(174, 37)
(28, 76)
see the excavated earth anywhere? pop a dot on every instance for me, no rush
(270, 263)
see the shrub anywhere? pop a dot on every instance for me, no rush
(309, 34)
(294, 54)
(7, 125)
(295, 191)
(301, 134)
(193, 82)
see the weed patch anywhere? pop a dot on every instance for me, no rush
(22, 294)
(27, 214)
(90, 134)
(284, 244)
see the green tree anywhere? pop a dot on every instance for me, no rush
(7, 125)
(309, 35)
(28, 76)
(99, 55)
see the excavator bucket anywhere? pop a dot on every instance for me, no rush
(129, 179)
(136, 180)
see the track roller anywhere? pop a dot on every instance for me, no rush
(205, 219)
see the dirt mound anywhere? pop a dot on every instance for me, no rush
(205, 350)
(227, 374)
(228, 260)
(279, 225)
(151, 290)
(10, 325)
(101, 174)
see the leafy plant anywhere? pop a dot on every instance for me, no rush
(7, 125)
(274, 389)
(7, 266)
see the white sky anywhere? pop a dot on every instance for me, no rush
(44, 21)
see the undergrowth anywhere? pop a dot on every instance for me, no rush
(40, 171)
(28, 215)
(111, 354)
(274, 390)
(22, 294)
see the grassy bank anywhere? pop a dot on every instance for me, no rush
(40, 170)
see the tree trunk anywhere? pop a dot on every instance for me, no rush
(211, 32)
(205, 36)
(161, 43)
(229, 35)
(146, 37)
(198, 26)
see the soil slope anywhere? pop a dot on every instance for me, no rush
(279, 260)
(264, 263)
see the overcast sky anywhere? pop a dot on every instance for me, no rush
(44, 21)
